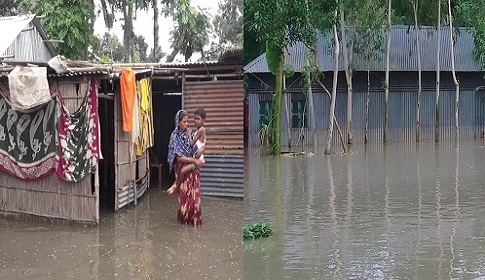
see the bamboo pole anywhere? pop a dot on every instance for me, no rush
(96, 191)
(115, 154)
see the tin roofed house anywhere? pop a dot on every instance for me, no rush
(403, 87)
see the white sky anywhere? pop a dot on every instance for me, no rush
(143, 25)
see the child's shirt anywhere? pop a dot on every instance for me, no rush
(200, 144)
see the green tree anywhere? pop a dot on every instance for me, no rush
(68, 20)
(252, 46)
(141, 48)
(470, 13)
(9, 7)
(228, 26)
(128, 8)
(191, 29)
(228, 23)
(276, 24)
(110, 48)
(369, 40)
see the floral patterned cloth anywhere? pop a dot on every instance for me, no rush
(79, 139)
(28, 140)
(189, 209)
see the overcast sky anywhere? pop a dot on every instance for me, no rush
(143, 25)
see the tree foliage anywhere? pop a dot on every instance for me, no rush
(68, 20)
(191, 28)
(110, 48)
(228, 23)
(471, 13)
(10, 7)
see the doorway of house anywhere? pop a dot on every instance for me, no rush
(106, 165)
(165, 106)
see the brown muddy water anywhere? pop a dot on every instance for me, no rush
(397, 211)
(145, 242)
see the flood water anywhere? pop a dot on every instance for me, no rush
(397, 211)
(145, 242)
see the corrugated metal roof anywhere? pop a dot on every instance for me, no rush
(403, 56)
(24, 39)
(11, 28)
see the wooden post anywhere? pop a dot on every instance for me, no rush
(116, 119)
(96, 191)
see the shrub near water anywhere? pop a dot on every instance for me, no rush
(257, 230)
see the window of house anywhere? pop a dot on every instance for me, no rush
(298, 114)
(265, 110)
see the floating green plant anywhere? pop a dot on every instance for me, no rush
(257, 230)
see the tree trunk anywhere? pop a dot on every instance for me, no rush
(127, 31)
(367, 101)
(334, 118)
(348, 75)
(311, 107)
(87, 34)
(455, 80)
(108, 18)
(437, 98)
(386, 119)
(176, 48)
(310, 101)
(418, 47)
(287, 100)
(276, 148)
(156, 27)
(334, 91)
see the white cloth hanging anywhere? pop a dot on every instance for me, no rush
(29, 87)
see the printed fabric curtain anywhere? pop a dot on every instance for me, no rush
(37, 142)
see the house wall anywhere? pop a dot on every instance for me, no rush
(51, 197)
(223, 173)
(29, 46)
(402, 107)
(132, 172)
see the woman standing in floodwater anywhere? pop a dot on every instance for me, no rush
(179, 154)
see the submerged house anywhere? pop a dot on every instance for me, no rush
(68, 157)
(218, 88)
(115, 177)
(403, 87)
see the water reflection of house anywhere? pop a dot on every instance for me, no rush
(120, 179)
(402, 97)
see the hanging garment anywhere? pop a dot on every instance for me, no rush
(79, 149)
(145, 94)
(135, 132)
(29, 87)
(128, 91)
(146, 136)
(28, 140)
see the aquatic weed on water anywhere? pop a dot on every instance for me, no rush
(257, 230)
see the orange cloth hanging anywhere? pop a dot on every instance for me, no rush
(128, 91)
